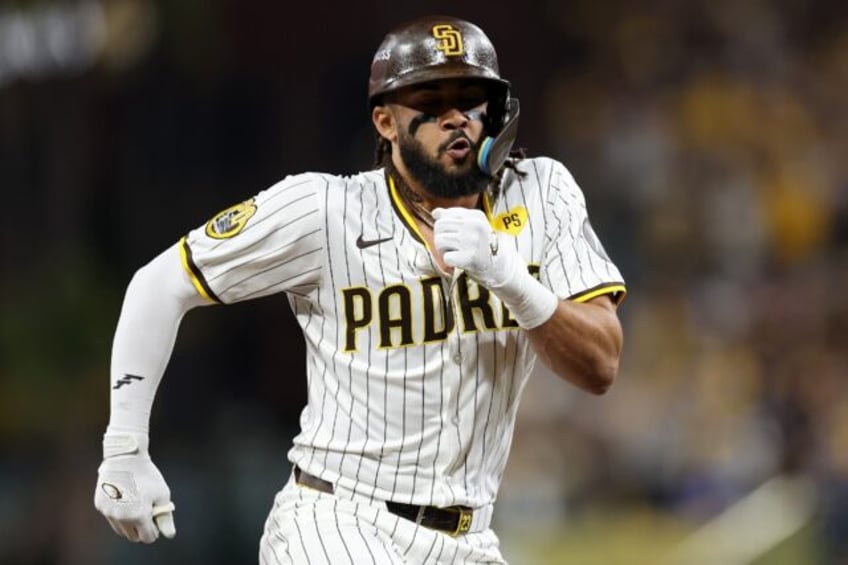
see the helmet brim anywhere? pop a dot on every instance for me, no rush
(440, 73)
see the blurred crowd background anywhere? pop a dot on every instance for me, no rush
(709, 136)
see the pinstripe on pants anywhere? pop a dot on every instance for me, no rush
(307, 526)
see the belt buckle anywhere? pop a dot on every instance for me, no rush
(464, 522)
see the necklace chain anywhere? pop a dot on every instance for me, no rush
(413, 203)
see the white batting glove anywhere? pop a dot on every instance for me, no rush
(131, 492)
(467, 241)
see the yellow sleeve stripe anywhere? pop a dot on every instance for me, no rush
(194, 273)
(619, 289)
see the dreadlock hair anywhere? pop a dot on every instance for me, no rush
(382, 151)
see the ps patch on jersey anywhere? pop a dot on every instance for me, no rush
(512, 221)
(231, 221)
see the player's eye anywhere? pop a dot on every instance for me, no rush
(473, 108)
(475, 113)
(426, 105)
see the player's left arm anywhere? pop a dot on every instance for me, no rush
(581, 342)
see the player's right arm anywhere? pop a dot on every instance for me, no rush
(270, 243)
(131, 492)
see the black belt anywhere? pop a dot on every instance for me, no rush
(453, 520)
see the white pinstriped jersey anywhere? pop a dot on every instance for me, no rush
(414, 377)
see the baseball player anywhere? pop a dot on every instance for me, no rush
(425, 289)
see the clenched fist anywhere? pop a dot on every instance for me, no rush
(467, 241)
(131, 492)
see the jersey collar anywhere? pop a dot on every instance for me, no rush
(408, 219)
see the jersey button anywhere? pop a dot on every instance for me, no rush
(457, 358)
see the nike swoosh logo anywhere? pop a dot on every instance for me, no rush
(363, 243)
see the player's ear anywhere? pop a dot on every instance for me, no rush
(385, 122)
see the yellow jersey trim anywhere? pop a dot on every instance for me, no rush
(194, 273)
(619, 289)
(407, 217)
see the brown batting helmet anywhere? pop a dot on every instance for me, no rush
(433, 48)
(439, 48)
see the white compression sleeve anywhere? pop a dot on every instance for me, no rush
(156, 299)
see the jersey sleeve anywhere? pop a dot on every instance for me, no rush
(577, 266)
(273, 242)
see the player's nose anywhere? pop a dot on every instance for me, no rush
(454, 118)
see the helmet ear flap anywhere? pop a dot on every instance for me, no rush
(496, 112)
(495, 147)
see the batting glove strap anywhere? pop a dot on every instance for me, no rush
(529, 301)
(124, 443)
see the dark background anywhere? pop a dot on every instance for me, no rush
(710, 141)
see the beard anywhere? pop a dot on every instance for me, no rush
(434, 177)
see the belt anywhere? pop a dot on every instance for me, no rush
(454, 520)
